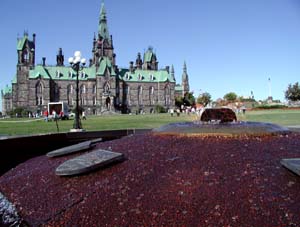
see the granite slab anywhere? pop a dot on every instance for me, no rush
(88, 162)
(73, 148)
(293, 164)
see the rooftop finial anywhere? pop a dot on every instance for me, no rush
(184, 67)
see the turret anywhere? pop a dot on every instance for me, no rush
(26, 50)
(139, 61)
(60, 58)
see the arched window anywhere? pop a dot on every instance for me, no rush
(106, 88)
(82, 89)
(56, 93)
(69, 94)
(39, 93)
(94, 89)
(140, 95)
(82, 94)
(151, 95)
(94, 101)
(167, 95)
(127, 95)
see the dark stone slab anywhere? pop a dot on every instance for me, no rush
(88, 162)
(73, 148)
(292, 164)
(218, 114)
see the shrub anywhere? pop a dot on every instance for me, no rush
(160, 109)
(276, 106)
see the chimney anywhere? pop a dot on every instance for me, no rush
(131, 66)
(44, 61)
(168, 69)
(33, 38)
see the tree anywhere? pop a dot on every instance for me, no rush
(178, 101)
(231, 97)
(204, 98)
(293, 92)
(189, 99)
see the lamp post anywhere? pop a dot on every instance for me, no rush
(77, 63)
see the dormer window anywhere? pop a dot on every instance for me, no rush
(70, 74)
(82, 74)
(140, 77)
(151, 77)
(127, 76)
(57, 74)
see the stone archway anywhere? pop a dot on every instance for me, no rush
(108, 103)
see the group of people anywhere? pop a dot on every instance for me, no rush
(53, 115)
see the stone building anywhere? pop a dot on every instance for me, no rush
(103, 86)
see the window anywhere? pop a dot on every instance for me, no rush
(82, 74)
(82, 89)
(140, 95)
(167, 95)
(151, 95)
(39, 94)
(127, 95)
(94, 101)
(106, 88)
(94, 89)
(69, 94)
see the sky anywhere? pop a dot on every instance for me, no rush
(228, 46)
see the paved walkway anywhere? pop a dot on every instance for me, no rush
(24, 121)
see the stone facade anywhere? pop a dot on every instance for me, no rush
(103, 86)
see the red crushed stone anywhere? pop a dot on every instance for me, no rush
(166, 181)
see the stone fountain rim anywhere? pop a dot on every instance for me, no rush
(231, 129)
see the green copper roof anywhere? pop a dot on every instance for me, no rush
(145, 76)
(105, 64)
(178, 87)
(7, 90)
(61, 73)
(21, 42)
(148, 54)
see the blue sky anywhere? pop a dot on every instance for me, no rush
(228, 46)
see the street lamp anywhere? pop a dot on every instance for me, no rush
(77, 63)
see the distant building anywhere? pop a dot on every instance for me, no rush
(104, 87)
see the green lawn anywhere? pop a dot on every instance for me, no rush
(25, 126)
(280, 117)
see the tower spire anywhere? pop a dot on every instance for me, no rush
(184, 68)
(185, 79)
(103, 28)
(173, 72)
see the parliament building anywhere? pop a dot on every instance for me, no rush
(103, 86)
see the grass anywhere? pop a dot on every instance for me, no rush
(282, 117)
(25, 126)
